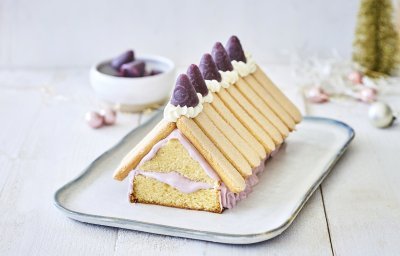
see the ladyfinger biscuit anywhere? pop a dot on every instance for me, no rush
(263, 108)
(223, 144)
(277, 94)
(226, 129)
(258, 132)
(225, 170)
(132, 159)
(256, 115)
(270, 101)
(230, 118)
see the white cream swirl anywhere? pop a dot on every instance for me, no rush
(228, 78)
(172, 113)
(208, 98)
(243, 68)
(213, 85)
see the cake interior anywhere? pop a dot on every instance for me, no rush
(172, 163)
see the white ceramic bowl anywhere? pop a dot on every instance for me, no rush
(134, 93)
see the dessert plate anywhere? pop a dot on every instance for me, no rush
(288, 182)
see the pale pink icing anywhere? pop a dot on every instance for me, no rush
(176, 180)
(229, 199)
(273, 153)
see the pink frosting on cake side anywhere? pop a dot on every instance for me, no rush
(229, 199)
(176, 180)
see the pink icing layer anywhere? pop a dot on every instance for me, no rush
(229, 199)
(176, 180)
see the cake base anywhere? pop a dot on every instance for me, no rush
(151, 191)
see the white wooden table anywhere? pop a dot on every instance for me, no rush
(44, 142)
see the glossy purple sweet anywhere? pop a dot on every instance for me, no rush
(125, 57)
(197, 80)
(152, 72)
(155, 72)
(133, 69)
(221, 57)
(208, 68)
(235, 50)
(184, 93)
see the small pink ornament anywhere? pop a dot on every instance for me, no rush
(94, 119)
(356, 77)
(109, 116)
(317, 95)
(367, 95)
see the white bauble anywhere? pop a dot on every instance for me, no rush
(380, 115)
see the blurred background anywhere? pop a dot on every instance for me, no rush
(46, 33)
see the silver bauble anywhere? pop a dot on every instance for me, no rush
(380, 115)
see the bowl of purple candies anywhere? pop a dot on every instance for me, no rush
(130, 83)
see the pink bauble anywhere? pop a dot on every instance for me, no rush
(94, 119)
(356, 77)
(317, 95)
(367, 95)
(109, 116)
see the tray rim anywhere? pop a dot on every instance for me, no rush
(217, 237)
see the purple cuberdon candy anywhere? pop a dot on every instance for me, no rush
(155, 72)
(133, 69)
(235, 50)
(209, 69)
(184, 93)
(197, 80)
(221, 57)
(125, 57)
(152, 72)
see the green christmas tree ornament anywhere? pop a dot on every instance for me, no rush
(375, 46)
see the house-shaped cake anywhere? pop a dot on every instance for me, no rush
(224, 120)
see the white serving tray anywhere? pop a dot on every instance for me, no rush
(289, 180)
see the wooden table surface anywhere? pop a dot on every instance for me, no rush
(44, 143)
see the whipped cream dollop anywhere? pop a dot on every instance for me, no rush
(208, 98)
(213, 85)
(172, 112)
(229, 77)
(245, 68)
